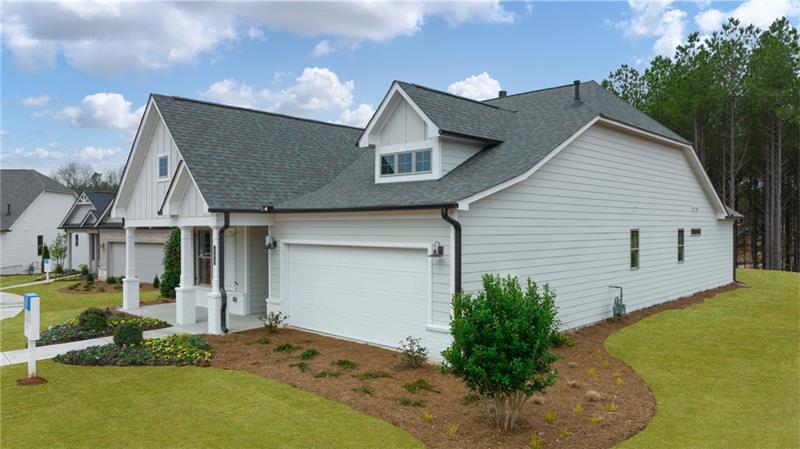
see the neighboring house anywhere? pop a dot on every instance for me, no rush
(341, 228)
(98, 241)
(32, 207)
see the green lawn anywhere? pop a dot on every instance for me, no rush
(186, 407)
(57, 307)
(16, 279)
(725, 373)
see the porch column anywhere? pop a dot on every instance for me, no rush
(215, 297)
(184, 294)
(69, 251)
(130, 286)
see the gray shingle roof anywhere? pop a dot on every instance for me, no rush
(242, 159)
(20, 188)
(99, 201)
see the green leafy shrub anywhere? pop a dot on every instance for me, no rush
(409, 402)
(89, 281)
(156, 282)
(171, 277)
(59, 268)
(559, 339)
(84, 270)
(501, 343)
(128, 334)
(93, 319)
(302, 366)
(420, 385)
(309, 354)
(413, 353)
(111, 280)
(72, 331)
(346, 364)
(286, 347)
(171, 350)
(272, 321)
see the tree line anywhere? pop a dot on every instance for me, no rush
(82, 177)
(736, 96)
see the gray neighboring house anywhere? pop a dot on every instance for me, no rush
(367, 233)
(98, 241)
(31, 207)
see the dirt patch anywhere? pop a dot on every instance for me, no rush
(377, 387)
(31, 381)
(78, 287)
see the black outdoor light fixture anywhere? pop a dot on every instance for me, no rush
(271, 243)
(437, 250)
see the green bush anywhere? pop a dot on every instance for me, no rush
(172, 350)
(413, 353)
(501, 343)
(309, 353)
(111, 280)
(45, 255)
(156, 282)
(93, 320)
(171, 278)
(128, 334)
(84, 270)
(89, 280)
(272, 320)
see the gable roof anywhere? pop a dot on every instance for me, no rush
(20, 188)
(542, 121)
(244, 159)
(98, 201)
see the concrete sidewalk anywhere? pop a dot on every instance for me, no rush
(10, 305)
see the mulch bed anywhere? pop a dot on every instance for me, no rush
(27, 381)
(447, 406)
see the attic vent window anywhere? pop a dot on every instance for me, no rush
(696, 232)
(407, 163)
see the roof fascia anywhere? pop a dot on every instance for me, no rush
(377, 119)
(125, 189)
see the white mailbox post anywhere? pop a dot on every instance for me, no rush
(32, 329)
(48, 268)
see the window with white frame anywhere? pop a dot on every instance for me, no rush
(203, 257)
(634, 249)
(680, 246)
(407, 163)
(163, 166)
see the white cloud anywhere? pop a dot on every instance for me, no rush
(322, 48)
(356, 117)
(760, 13)
(3, 132)
(112, 37)
(92, 153)
(102, 110)
(477, 87)
(232, 92)
(656, 19)
(36, 101)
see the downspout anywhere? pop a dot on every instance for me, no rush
(223, 293)
(457, 250)
(735, 252)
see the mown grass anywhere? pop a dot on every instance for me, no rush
(16, 279)
(186, 407)
(724, 373)
(57, 307)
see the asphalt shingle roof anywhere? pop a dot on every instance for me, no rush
(243, 159)
(20, 188)
(99, 200)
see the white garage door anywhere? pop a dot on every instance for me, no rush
(378, 295)
(149, 260)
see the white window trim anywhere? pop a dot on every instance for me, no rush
(158, 167)
(431, 145)
(413, 171)
(638, 248)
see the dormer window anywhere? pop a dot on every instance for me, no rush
(163, 167)
(407, 163)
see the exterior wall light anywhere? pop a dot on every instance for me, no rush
(437, 250)
(270, 242)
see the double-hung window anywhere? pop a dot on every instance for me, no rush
(203, 257)
(634, 249)
(39, 244)
(680, 246)
(407, 163)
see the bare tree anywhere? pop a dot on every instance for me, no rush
(74, 175)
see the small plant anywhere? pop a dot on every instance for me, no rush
(471, 398)
(156, 282)
(260, 341)
(309, 354)
(128, 334)
(302, 366)
(591, 372)
(323, 374)
(616, 374)
(452, 429)
(578, 409)
(606, 365)
(426, 416)
(286, 347)
(84, 270)
(366, 389)
(420, 385)
(596, 419)
(93, 319)
(346, 364)
(369, 375)
(612, 407)
(111, 280)
(89, 280)
(564, 433)
(559, 339)
(550, 417)
(620, 382)
(413, 353)
(408, 402)
(593, 396)
(536, 443)
(272, 321)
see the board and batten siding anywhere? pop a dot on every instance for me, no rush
(569, 225)
(403, 125)
(148, 192)
(454, 153)
(418, 227)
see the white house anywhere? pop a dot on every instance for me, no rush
(98, 241)
(366, 234)
(32, 207)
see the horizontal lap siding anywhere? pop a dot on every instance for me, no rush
(412, 227)
(568, 225)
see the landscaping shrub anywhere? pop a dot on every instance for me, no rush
(59, 269)
(58, 251)
(45, 255)
(156, 282)
(272, 320)
(89, 281)
(309, 353)
(559, 339)
(127, 334)
(365, 389)
(172, 350)
(408, 402)
(171, 278)
(111, 280)
(414, 354)
(71, 330)
(420, 385)
(285, 347)
(93, 320)
(501, 343)
(346, 364)
(84, 269)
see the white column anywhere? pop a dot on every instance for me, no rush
(130, 286)
(215, 297)
(69, 251)
(184, 294)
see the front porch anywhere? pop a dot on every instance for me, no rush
(166, 312)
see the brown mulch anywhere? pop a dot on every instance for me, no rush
(582, 367)
(99, 287)
(31, 381)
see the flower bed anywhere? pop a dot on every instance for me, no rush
(173, 350)
(71, 330)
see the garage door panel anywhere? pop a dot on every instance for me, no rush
(149, 260)
(380, 295)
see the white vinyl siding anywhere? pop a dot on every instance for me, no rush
(569, 225)
(454, 153)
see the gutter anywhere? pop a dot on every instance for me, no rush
(457, 250)
(272, 210)
(223, 293)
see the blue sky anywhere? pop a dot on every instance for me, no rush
(76, 76)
